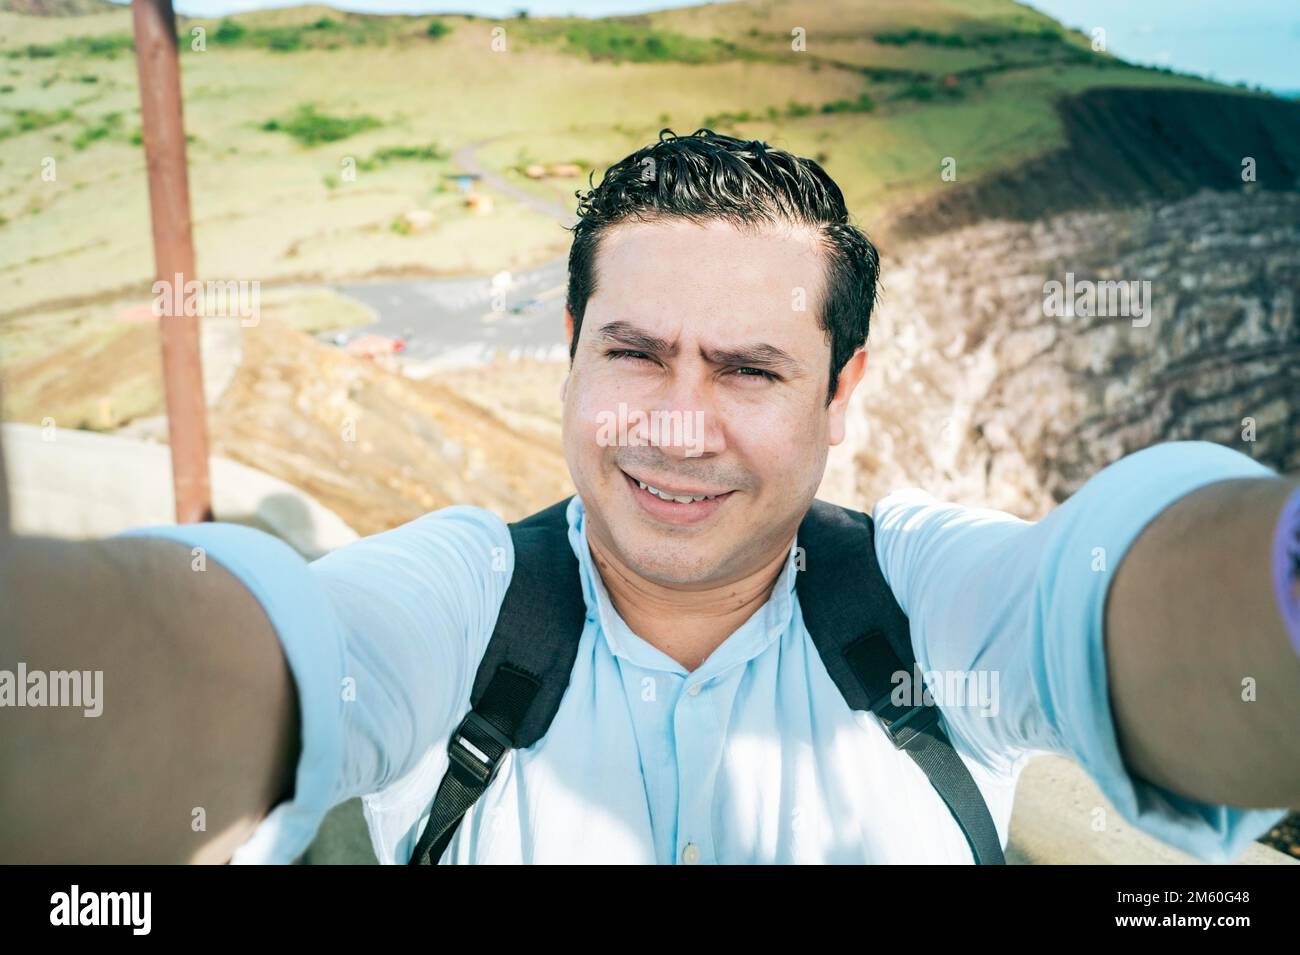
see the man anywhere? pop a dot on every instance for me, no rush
(712, 281)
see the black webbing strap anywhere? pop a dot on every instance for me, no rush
(522, 676)
(863, 638)
(476, 749)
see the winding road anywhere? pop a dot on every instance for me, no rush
(465, 321)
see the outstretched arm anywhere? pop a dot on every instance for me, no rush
(244, 685)
(196, 736)
(1119, 630)
(1204, 680)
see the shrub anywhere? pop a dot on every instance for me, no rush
(27, 120)
(101, 130)
(228, 31)
(430, 153)
(283, 39)
(916, 91)
(621, 42)
(863, 104)
(312, 128)
(108, 45)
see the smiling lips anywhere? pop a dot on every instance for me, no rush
(674, 506)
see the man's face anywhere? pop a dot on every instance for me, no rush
(701, 370)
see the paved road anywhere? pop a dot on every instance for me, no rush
(469, 320)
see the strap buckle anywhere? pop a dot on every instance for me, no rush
(904, 725)
(469, 749)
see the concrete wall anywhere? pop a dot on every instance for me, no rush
(76, 484)
(1056, 820)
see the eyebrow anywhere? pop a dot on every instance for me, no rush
(756, 355)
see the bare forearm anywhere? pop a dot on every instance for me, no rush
(197, 738)
(1204, 681)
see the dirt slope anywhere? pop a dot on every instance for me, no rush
(380, 449)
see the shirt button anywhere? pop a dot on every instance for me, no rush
(694, 689)
(691, 854)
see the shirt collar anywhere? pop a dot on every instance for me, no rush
(754, 636)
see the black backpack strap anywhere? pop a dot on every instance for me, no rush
(863, 638)
(522, 676)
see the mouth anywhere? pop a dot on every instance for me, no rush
(675, 505)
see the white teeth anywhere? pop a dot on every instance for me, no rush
(671, 497)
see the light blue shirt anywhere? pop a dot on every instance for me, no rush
(754, 757)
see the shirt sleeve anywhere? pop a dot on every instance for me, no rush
(416, 606)
(1021, 605)
(382, 637)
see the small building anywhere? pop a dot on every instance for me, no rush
(464, 180)
(479, 202)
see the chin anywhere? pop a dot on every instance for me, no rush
(665, 560)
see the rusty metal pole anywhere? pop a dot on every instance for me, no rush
(158, 66)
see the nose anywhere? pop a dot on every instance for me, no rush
(690, 425)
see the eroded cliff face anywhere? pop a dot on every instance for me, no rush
(977, 395)
(1124, 146)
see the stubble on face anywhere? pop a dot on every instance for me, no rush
(700, 290)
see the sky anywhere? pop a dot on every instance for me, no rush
(1255, 41)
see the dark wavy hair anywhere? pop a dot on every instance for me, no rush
(708, 176)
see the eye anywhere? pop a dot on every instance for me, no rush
(633, 355)
(756, 373)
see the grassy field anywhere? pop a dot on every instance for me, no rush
(313, 132)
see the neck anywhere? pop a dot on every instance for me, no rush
(687, 625)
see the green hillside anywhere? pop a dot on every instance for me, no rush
(279, 104)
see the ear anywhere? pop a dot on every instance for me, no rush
(568, 333)
(850, 376)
